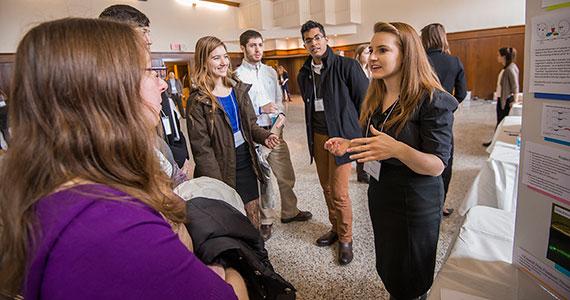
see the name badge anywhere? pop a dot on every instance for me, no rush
(319, 104)
(238, 138)
(373, 169)
(166, 125)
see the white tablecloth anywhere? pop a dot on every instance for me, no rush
(516, 110)
(479, 263)
(506, 132)
(496, 183)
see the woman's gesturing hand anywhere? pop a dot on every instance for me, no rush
(378, 147)
(337, 146)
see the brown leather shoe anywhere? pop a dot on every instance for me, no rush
(327, 239)
(302, 216)
(265, 231)
(345, 254)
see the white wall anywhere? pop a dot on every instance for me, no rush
(455, 15)
(172, 22)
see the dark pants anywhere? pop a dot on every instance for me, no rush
(178, 100)
(405, 209)
(503, 112)
(446, 175)
(4, 124)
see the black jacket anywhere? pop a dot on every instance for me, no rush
(221, 234)
(343, 86)
(176, 140)
(449, 70)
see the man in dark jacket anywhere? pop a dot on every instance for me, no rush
(332, 88)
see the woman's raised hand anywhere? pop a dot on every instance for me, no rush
(378, 147)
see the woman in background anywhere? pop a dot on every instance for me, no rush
(449, 70)
(507, 84)
(222, 126)
(409, 119)
(284, 82)
(361, 55)
(84, 206)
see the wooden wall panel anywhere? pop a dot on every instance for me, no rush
(478, 51)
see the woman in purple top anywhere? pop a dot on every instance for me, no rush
(83, 202)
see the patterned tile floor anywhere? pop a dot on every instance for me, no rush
(313, 270)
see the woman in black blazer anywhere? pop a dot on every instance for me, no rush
(449, 70)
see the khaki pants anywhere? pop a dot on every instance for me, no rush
(280, 161)
(334, 182)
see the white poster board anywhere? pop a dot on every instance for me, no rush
(542, 229)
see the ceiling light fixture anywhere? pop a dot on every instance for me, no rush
(212, 4)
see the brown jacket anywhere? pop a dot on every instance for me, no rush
(211, 136)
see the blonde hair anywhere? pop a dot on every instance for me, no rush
(418, 78)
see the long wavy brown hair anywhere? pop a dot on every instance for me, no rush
(202, 76)
(73, 119)
(418, 78)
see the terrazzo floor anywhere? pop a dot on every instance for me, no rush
(313, 270)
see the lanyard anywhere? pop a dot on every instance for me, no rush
(314, 85)
(235, 109)
(386, 119)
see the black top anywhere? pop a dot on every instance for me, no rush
(449, 70)
(428, 130)
(343, 86)
(319, 120)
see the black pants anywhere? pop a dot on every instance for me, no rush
(446, 175)
(178, 100)
(503, 112)
(4, 124)
(405, 209)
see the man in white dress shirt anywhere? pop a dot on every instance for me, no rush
(267, 99)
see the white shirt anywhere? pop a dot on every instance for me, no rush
(173, 86)
(265, 88)
(316, 68)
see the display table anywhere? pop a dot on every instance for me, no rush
(496, 183)
(516, 110)
(479, 263)
(507, 131)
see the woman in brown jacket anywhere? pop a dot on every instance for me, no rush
(222, 125)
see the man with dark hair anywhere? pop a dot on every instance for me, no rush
(173, 136)
(333, 88)
(267, 101)
(128, 14)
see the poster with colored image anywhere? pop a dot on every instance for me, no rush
(559, 239)
(556, 123)
(550, 54)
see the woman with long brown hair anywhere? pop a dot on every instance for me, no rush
(408, 118)
(223, 127)
(84, 205)
(449, 70)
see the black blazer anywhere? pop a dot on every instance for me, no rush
(343, 86)
(449, 70)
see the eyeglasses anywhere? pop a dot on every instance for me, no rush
(317, 38)
(152, 72)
